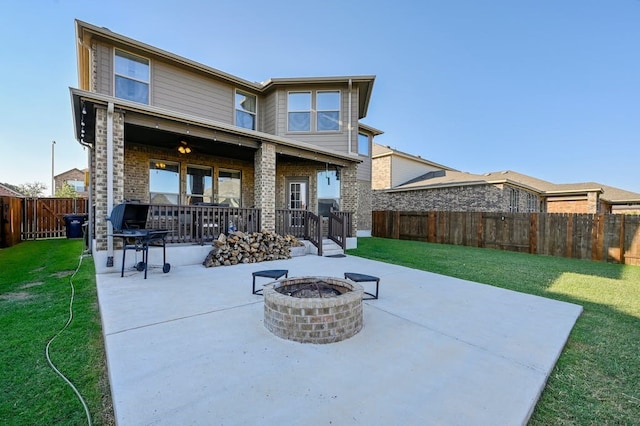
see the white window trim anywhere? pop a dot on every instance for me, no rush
(310, 111)
(113, 82)
(235, 107)
(314, 100)
(368, 153)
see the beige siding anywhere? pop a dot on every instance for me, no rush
(403, 169)
(104, 69)
(337, 141)
(190, 93)
(364, 169)
(267, 112)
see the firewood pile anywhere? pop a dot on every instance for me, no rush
(240, 247)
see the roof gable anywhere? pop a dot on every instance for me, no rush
(8, 190)
(86, 31)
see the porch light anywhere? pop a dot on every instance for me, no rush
(183, 147)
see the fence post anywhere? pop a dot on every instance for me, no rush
(533, 233)
(597, 234)
(622, 239)
(480, 230)
(396, 225)
(569, 249)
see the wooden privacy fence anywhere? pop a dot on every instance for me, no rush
(601, 237)
(44, 217)
(10, 220)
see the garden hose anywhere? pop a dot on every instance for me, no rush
(75, 390)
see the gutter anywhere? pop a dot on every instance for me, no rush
(210, 124)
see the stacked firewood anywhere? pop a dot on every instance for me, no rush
(240, 247)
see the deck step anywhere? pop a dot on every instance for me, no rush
(330, 248)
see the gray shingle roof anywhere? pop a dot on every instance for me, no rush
(453, 178)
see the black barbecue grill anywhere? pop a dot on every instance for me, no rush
(129, 222)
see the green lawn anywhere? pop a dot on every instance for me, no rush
(35, 295)
(597, 378)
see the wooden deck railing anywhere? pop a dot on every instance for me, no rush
(338, 228)
(300, 224)
(200, 224)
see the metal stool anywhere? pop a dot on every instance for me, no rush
(359, 278)
(270, 273)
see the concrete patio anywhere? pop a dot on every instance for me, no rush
(189, 347)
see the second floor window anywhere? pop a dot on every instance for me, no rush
(299, 111)
(363, 144)
(245, 110)
(328, 111)
(131, 77)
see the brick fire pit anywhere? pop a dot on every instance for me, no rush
(313, 309)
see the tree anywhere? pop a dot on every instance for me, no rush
(67, 191)
(35, 189)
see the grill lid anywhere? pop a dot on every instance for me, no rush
(129, 216)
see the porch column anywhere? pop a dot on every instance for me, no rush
(265, 184)
(349, 176)
(100, 172)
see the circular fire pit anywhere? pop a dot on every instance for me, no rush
(313, 309)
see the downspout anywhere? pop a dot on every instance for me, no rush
(109, 182)
(90, 219)
(89, 228)
(350, 129)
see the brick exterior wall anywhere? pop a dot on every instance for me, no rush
(381, 179)
(137, 159)
(349, 189)
(73, 174)
(265, 184)
(304, 169)
(486, 198)
(350, 194)
(365, 202)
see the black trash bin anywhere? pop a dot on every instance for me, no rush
(73, 223)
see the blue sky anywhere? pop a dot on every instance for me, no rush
(548, 88)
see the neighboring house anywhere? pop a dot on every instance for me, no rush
(443, 188)
(163, 129)
(393, 167)
(73, 177)
(8, 190)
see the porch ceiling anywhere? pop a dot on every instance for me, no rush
(167, 140)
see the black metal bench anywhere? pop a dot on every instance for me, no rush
(274, 274)
(361, 278)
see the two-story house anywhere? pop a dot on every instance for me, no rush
(73, 177)
(173, 133)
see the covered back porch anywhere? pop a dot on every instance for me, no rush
(229, 178)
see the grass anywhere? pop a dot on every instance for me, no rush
(35, 293)
(597, 378)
